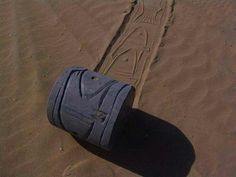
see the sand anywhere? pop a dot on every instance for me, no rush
(180, 56)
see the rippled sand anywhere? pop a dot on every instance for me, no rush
(179, 54)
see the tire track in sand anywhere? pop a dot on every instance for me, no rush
(135, 46)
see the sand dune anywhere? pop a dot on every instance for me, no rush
(179, 54)
(193, 82)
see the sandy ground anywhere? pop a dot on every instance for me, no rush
(180, 56)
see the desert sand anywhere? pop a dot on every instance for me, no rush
(179, 55)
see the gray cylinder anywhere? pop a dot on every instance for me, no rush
(89, 105)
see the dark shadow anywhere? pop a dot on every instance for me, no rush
(150, 147)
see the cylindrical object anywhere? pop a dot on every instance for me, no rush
(89, 105)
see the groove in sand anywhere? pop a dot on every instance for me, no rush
(135, 46)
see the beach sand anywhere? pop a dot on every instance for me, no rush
(179, 55)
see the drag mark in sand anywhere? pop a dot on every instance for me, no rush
(135, 46)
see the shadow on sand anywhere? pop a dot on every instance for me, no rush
(150, 147)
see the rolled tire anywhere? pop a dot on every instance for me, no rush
(90, 106)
